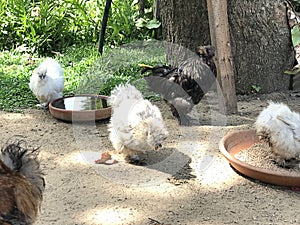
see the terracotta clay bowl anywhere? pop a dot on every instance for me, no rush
(237, 141)
(80, 108)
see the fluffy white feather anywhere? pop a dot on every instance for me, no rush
(280, 127)
(47, 81)
(136, 125)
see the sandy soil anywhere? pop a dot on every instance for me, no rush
(187, 182)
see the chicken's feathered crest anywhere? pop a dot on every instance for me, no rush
(117, 94)
(49, 67)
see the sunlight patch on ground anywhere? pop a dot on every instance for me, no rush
(218, 175)
(109, 216)
(208, 165)
(15, 116)
(71, 159)
(45, 155)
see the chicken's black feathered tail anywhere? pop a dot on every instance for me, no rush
(21, 184)
(21, 159)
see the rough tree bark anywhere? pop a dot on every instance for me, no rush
(142, 4)
(260, 38)
(185, 22)
(261, 43)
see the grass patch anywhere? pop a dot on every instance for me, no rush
(16, 71)
(14, 78)
(84, 70)
(120, 65)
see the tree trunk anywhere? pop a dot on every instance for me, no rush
(142, 4)
(156, 15)
(261, 44)
(185, 22)
(260, 38)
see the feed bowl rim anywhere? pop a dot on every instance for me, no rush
(262, 174)
(78, 111)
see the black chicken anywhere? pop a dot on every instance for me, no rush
(185, 85)
(21, 185)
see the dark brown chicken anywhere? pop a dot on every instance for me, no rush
(185, 85)
(21, 185)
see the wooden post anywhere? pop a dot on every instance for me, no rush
(220, 38)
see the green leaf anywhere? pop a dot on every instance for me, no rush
(295, 35)
(256, 88)
(140, 23)
(134, 2)
(293, 71)
(153, 24)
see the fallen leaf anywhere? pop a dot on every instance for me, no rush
(106, 159)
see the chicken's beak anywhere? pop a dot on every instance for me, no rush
(158, 146)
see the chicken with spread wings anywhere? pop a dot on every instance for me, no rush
(185, 85)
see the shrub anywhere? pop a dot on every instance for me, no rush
(46, 26)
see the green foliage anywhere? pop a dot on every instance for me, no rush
(256, 89)
(44, 26)
(126, 24)
(296, 4)
(295, 35)
(293, 71)
(76, 60)
(15, 73)
(14, 78)
(129, 74)
(121, 65)
(148, 23)
(84, 71)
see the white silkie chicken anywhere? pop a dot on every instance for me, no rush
(278, 126)
(47, 82)
(136, 126)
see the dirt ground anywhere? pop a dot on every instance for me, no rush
(187, 182)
